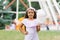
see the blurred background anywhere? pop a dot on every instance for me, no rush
(48, 12)
(12, 12)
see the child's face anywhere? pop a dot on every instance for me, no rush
(30, 13)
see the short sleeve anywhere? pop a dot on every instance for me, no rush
(24, 21)
(38, 22)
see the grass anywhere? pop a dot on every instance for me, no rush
(49, 35)
(15, 35)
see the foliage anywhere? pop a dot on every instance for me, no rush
(10, 16)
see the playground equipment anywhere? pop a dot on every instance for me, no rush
(49, 9)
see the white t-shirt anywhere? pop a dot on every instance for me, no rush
(30, 25)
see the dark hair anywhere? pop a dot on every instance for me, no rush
(26, 15)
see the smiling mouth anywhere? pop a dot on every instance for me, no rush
(30, 15)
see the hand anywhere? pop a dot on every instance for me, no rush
(38, 27)
(25, 33)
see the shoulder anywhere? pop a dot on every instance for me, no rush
(36, 20)
(24, 20)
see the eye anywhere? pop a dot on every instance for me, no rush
(30, 12)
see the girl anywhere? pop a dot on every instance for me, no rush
(31, 25)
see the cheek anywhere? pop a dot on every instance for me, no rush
(28, 14)
(33, 14)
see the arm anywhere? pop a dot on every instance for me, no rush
(23, 31)
(23, 4)
(38, 27)
(10, 4)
